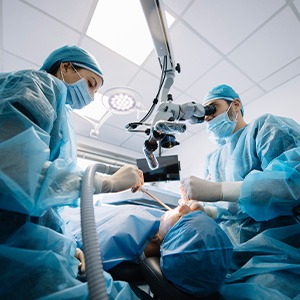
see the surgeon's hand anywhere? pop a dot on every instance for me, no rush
(125, 178)
(194, 188)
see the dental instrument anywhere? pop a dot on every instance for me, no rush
(155, 198)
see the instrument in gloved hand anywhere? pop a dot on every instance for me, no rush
(156, 199)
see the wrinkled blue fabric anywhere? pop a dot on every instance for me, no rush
(37, 145)
(123, 231)
(116, 290)
(265, 155)
(32, 271)
(201, 252)
(38, 174)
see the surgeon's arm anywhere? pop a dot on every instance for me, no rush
(274, 190)
(194, 188)
(125, 178)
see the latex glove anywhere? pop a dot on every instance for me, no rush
(125, 178)
(194, 188)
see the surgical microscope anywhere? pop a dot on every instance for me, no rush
(169, 118)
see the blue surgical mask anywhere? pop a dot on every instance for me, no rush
(221, 126)
(78, 94)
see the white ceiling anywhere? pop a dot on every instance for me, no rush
(252, 45)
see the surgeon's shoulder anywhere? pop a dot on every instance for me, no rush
(275, 121)
(33, 77)
(48, 78)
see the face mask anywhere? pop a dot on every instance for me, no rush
(78, 94)
(221, 126)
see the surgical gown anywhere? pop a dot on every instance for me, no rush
(38, 174)
(265, 155)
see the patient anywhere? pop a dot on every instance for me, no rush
(190, 243)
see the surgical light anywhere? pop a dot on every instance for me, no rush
(121, 100)
(117, 100)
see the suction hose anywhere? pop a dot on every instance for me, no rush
(94, 268)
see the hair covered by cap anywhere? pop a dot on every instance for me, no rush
(195, 254)
(73, 54)
(222, 91)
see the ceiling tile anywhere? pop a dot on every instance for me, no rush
(121, 121)
(14, 63)
(72, 12)
(288, 72)
(35, 35)
(147, 86)
(135, 143)
(223, 72)
(117, 70)
(183, 98)
(177, 6)
(289, 95)
(194, 56)
(112, 135)
(297, 5)
(226, 23)
(271, 48)
(250, 95)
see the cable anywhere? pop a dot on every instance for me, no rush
(155, 101)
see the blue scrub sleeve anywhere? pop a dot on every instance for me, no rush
(275, 190)
(37, 144)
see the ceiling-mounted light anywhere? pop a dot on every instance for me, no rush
(118, 100)
(121, 100)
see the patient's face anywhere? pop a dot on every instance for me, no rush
(170, 218)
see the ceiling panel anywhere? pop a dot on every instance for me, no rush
(272, 47)
(135, 143)
(194, 56)
(146, 85)
(283, 75)
(35, 35)
(177, 6)
(71, 12)
(223, 72)
(112, 135)
(225, 24)
(117, 70)
(288, 105)
(297, 5)
(15, 63)
(248, 97)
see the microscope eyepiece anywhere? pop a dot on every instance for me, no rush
(209, 109)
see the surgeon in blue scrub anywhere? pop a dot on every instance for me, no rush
(252, 189)
(39, 174)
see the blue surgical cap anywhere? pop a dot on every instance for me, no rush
(74, 54)
(224, 92)
(195, 254)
